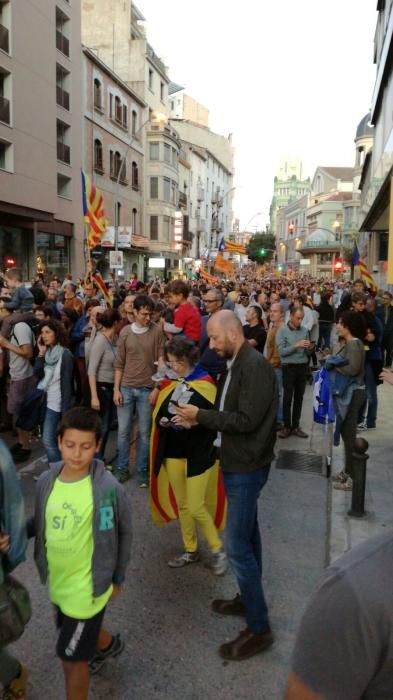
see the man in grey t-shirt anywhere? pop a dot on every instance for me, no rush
(20, 347)
(344, 647)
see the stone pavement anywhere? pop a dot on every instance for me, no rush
(164, 614)
(344, 531)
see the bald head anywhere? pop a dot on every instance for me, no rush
(226, 333)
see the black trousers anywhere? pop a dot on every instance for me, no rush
(294, 378)
(348, 428)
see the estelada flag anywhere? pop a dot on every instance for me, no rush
(163, 505)
(93, 211)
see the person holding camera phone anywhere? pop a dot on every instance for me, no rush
(295, 347)
(183, 459)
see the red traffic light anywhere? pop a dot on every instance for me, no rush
(338, 265)
(10, 262)
(291, 228)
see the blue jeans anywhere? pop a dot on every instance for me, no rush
(134, 400)
(280, 414)
(372, 397)
(244, 545)
(49, 435)
(325, 331)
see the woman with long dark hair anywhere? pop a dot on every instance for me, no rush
(53, 368)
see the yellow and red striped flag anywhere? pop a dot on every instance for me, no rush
(93, 211)
(364, 272)
(234, 248)
(207, 276)
(223, 265)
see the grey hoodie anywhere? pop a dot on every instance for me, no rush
(112, 533)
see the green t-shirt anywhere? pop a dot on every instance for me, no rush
(69, 549)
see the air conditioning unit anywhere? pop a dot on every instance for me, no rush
(201, 194)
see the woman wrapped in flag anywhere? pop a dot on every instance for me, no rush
(185, 480)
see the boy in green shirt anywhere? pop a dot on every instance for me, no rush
(82, 526)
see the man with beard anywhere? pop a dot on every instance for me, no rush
(244, 417)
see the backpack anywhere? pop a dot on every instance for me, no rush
(33, 324)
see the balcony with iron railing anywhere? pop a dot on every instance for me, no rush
(62, 97)
(182, 199)
(62, 43)
(4, 39)
(4, 110)
(63, 152)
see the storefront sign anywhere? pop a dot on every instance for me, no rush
(115, 259)
(108, 239)
(157, 263)
(124, 237)
(305, 261)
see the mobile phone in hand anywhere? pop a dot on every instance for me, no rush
(175, 403)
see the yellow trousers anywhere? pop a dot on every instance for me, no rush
(190, 495)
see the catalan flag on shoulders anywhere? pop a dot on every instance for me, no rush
(234, 248)
(93, 211)
(363, 271)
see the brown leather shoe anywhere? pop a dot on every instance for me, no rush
(229, 607)
(298, 432)
(247, 644)
(284, 433)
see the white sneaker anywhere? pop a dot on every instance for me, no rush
(183, 559)
(361, 427)
(218, 563)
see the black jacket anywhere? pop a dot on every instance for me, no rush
(248, 421)
(66, 377)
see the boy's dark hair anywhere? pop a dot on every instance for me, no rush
(143, 301)
(358, 296)
(81, 418)
(178, 287)
(355, 323)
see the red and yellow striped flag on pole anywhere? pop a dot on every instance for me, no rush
(234, 248)
(93, 211)
(363, 271)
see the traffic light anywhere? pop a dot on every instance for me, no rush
(10, 262)
(262, 251)
(338, 265)
(291, 228)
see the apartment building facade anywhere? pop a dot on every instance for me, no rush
(40, 137)
(115, 31)
(113, 155)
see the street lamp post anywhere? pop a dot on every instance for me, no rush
(156, 118)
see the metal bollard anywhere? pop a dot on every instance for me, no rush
(359, 478)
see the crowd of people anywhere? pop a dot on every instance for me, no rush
(198, 380)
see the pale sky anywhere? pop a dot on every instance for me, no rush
(288, 77)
